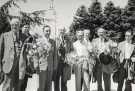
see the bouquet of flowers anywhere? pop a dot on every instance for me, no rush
(39, 51)
(73, 58)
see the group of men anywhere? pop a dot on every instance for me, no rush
(16, 54)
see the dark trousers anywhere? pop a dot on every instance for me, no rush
(11, 81)
(60, 73)
(128, 86)
(106, 79)
(23, 83)
(122, 77)
(45, 80)
(78, 78)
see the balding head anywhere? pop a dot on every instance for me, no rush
(101, 32)
(15, 24)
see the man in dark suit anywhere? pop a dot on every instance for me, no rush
(10, 46)
(63, 69)
(24, 35)
(102, 46)
(47, 61)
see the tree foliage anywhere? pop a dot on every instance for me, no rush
(88, 18)
(114, 19)
(4, 14)
(5, 17)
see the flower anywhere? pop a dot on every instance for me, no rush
(39, 48)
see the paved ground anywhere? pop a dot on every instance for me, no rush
(71, 85)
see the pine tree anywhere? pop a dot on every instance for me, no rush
(80, 20)
(88, 18)
(130, 12)
(131, 6)
(96, 18)
(4, 14)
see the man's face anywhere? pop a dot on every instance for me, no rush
(15, 25)
(80, 35)
(61, 32)
(47, 32)
(101, 33)
(128, 36)
(25, 29)
(86, 33)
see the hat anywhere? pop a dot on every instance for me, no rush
(105, 59)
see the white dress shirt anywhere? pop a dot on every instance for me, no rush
(127, 50)
(88, 44)
(81, 49)
(102, 46)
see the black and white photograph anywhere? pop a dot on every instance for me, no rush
(67, 45)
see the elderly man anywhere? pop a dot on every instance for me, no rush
(101, 47)
(10, 46)
(126, 49)
(60, 62)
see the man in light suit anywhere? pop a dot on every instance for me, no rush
(126, 49)
(10, 47)
(101, 45)
(78, 68)
(82, 52)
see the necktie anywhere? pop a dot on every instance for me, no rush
(17, 44)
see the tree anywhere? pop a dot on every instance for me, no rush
(96, 18)
(80, 19)
(29, 18)
(88, 18)
(4, 14)
(130, 12)
(131, 6)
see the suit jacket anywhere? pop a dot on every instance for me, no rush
(7, 52)
(58, 44)
(51, 57)
(121, 48)
(107, 46)
(23, 61)
(67, 49)
(97, 46)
